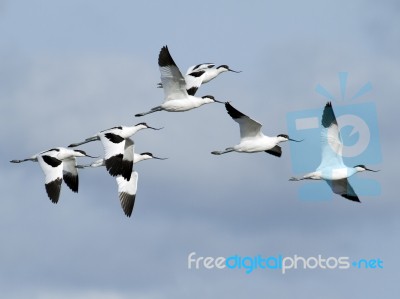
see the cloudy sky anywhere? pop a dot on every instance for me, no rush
(71, 68)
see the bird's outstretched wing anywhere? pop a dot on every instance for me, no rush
(53, 172)
(70, 174)
(275, 151)
(127, 192)
(343, 188)
(127, 160)
(249, 128)
(331, 142)
(174, 84)
(193, 81)
(195, 75)
(114, 146)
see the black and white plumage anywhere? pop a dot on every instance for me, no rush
(58, 164)
(127, 192)
(114, 142)
(332, 168)
(202, 73)
(176, 97)
(127, 187)
(251, 138)
(343, 188)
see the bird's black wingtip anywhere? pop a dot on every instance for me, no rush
(72, 181)
(232, 111)
(328, 116)
(127, 203)
(165, 58)
(351, 197)
(53, 189)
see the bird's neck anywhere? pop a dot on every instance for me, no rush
(351, 171)
(129, 131)
(137, 158)
(199, 101)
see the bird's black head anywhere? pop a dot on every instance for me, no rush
(144, 126)
(81, 151)
(208, 97)
(362, 167)
(223, 66)
(283, 135)
(226, 68)
(211, 99)
(146, 154)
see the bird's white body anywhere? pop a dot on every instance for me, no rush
(101, 162)
(185, 104)
(330, 173)
(60, 153)
(252, 140)
(332, 169)
(211, 73)
(176, 97)
(125, 131)
(199, 67)
(260, 143)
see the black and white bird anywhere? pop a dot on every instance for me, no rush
(252, 140)
(114, 144)
(176, 97)
(127, 188)
(202, 73)
(58, 164)
(332, 169)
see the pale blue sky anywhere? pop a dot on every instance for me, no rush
(71, 68)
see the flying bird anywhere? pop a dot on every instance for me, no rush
(57, 164)
(127, 188)
(252, 140)
(176, 97)
(202, 73)
(332, 169)
(114, 144)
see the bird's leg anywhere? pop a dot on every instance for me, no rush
(155, 109)
(295, 179)
(94, 138)
(228, 150)
(309, 176)
(24, 160)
